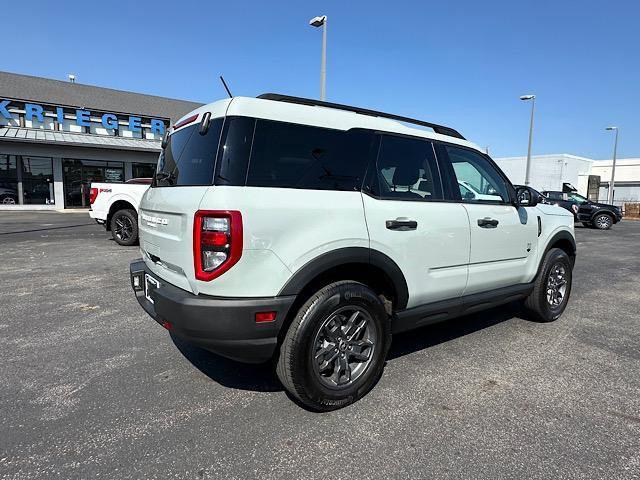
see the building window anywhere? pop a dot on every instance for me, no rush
(37, 180)
(8, 180)
(79, 174)
(143, 170)
(26, 180)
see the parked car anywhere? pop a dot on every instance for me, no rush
(591, 214)
(8, 195)
(288, 228)
(115, 205)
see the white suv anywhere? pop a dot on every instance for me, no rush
(310, 232)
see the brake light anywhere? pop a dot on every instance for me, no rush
(186, 121)
(93, 193)
(217, 242)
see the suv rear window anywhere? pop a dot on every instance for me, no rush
(189, 157)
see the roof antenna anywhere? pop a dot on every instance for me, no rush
(225, 87)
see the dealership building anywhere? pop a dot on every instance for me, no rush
(56, 137)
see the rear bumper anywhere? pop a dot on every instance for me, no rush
(225, 326)
(98, 216)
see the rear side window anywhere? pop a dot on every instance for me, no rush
(189, 157)
(300, 156)
(407, 170)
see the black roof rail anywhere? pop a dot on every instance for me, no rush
(441, 129)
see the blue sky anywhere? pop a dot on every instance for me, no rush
(462, 63)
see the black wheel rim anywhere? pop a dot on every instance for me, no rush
(344, 347)
(123, 228)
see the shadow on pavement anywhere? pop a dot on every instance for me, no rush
(229, 373)
(431, 335)
(262, 378)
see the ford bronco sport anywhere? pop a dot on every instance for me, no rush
(310, 232)
(592, 214)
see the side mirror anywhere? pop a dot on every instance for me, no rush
(526, 197)
(165, 139)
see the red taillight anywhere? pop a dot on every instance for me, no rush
(186, 121)
(214, 239)
(217, 242)
(93, 193)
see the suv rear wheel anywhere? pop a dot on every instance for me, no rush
(334, 350)
(124, 227)
(603, 221)
(552, 287)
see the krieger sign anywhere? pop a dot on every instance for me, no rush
(83, 117)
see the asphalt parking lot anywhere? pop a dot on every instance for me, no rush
(92, 387)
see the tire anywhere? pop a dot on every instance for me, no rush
(8, 200)
(343, 325)
(603, 221)
(543, 303)
(124, 227)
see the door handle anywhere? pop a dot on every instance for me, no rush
(402, 224)
(487, 222)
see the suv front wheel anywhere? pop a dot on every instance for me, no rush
(335, 348)
(552, 287)
(603, 221)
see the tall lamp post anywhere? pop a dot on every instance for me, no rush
(533, 108)
(322, 22)
(613, 166)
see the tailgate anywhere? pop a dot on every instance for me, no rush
(166, 232)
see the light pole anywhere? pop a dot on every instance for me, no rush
(533, 108)
(322, 22)
(613, 166)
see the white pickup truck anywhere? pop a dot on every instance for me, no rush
(115, 205)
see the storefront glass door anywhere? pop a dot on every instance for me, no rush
(78, 175)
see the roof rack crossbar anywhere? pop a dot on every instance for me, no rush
(441, 129)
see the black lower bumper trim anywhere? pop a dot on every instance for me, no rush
(223, 325)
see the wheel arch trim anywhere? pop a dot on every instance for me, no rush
(349, 255)
(562, 235)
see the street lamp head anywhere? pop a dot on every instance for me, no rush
(611, 128)
(527, 97)
(318, 21)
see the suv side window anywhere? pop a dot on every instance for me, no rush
(407, 170)
(554, 196)
(289, 155)
(477, 179)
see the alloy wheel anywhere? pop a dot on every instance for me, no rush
(556, 285)
(344, 347)
(603, 221)
(124, 228)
